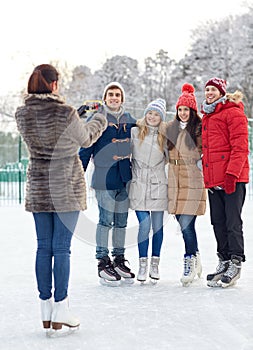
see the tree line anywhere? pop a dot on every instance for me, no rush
(222, 48)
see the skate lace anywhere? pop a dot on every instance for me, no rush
(109, 267)
(221, 266)
(232, 270)
(188, 266)
(154, 268)
(142, 270)
(122, 265)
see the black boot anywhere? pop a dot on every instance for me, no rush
(213, 278)
(233, 272)
(106, 270)
(121, 268)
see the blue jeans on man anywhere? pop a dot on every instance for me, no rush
(54, 233)
(113, 208)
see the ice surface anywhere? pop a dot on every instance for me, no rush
(149, 317)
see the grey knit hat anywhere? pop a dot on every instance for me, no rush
(158, 105)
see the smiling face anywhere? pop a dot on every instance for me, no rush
(212, 94)
(113, 99)
(183, 113)
(153, 118)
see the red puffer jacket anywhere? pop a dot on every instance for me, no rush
(225, 142)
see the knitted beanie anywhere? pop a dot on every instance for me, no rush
(187, 98)
(220, 84)
(158, 105)
(114, 84)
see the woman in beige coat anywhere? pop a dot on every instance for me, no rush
(55, 191)
(148, 188)
(187, 196)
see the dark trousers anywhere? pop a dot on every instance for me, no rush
(225, 211)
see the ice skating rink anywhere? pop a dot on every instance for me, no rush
(137, 317)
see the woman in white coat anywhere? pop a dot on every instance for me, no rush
(148, 188)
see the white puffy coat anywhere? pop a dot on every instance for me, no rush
(149, 185)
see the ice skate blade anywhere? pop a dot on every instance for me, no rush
(226, 285)
(153, 280)
(214, 284)
(108, 283)
(65, 331)
(186, 284)
(142, 283)
(127, 280)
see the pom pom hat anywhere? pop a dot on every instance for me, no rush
(114, 84)
(158, 105)
(220, 84)
(187, 98)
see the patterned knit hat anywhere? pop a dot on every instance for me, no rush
(187, 98)
(114, 84)
(220, 84)
(158, 105)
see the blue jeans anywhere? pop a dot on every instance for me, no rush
(187, 225)
(145, 219)
(54, 233)
(113, 213)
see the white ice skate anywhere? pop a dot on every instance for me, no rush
(198, 265)
(189, 270)
(63, 322)
(143, 270)
(154, 271)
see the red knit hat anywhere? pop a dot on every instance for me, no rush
(220, 84)
(187, 98)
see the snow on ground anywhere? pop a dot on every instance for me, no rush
(149, 317)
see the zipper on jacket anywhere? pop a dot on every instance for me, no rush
(148, 167)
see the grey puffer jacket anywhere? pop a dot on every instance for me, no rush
(53, 133)
(149, 186)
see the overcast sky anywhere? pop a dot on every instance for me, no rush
(89, 32)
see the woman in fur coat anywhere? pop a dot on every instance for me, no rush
(148, 188)
(55, 190)
(226, 171)
(187, 196)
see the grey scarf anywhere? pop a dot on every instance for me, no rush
(117, 114)
(210, 108)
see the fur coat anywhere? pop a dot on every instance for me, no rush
(53, 133)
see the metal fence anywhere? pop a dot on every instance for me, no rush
(13, 175)
(12, 184)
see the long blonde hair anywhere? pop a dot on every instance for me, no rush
(143, 131)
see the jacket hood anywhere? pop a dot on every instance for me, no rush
(234, 100)
(235, 97)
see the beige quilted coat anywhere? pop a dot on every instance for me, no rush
(186, 187)
(53, 133)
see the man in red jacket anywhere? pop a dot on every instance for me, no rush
(226, 172)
